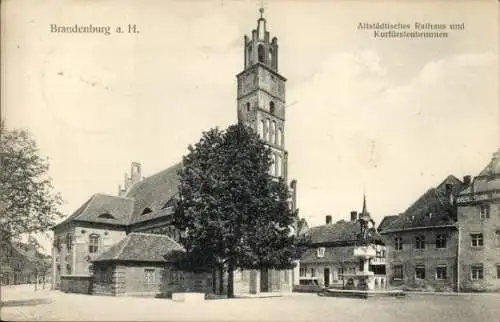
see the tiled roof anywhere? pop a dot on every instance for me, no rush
(386, 222)
(103, 208)
(338, 232)
(140, 247)
(433, 208)
(154, 192)
(332, 254)
(493, 166)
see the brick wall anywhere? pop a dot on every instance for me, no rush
(430, 257)
(76, 284)
(487, 255)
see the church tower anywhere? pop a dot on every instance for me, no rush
(261, 94)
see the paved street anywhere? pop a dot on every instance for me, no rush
(292, 307)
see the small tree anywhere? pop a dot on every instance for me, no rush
(28, 202)
(233, 212)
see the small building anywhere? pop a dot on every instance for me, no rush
(23, 264)
(336, 254)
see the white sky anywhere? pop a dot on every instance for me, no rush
(395, 116)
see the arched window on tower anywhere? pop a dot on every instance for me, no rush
(248, 106)
(268, 127)
(272, 133)
(272, 168)
(279, 137)
(261, 129)
(249, 54)
(270, 56)
(271, 107)
(260, 52)
(279, 167)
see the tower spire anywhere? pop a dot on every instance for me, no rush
(364, 212)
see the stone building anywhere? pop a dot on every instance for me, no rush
(478, 231)
(22, 264)
(333, 256)
(144, 205)
(449, 239)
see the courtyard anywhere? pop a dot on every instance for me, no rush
(23, 303)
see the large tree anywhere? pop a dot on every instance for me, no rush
(28, 202)
(233, 212)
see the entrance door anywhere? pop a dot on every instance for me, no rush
(264, 280)
(326, 276)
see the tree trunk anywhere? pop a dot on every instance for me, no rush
(221, 279)
(230, 280)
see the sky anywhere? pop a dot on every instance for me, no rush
(386, 117)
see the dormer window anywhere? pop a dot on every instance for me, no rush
(106, 216)
(321, 252)
(146, 210)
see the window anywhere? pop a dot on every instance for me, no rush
(476, 240)
(278, 166)
(498, 270)
(313, 272)
(272, 133)
(420, 272)
(68, 269)
(270, 58)
(272, 167)
(271, 107)
(279, 137)
(398, 272)
(248, 107)
(398, 243)
(146, 211)
(260, 52)
(441, 241)
(321, 252)
(268, 127)
(303, 272)
(476, 272)
(484, 211)
(420, 242)
(261, 129)
(69, 242)
(93, 244)
(441, 272)
(149, 276)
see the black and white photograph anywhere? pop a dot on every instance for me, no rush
(250, 160)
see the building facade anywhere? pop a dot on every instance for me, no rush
(145, 205)
(449, 239)
(343, 255)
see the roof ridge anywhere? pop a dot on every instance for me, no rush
(120, 251)
(113, 196)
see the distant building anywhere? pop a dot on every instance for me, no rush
(449, 239)
(23, 264)
(332, 258)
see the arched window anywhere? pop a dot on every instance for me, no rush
(248, 106)
(270, 57)
(106, 216)
(268, 127)
(272, 133)
(279, 138)
(146, 210)
(260, 52)
(272, 168)
(279, 166)
(93, 243)
(261, 129)
(271, 107)
(250, 54)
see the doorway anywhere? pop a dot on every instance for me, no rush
(326, 276)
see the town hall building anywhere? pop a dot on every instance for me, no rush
(121, 245)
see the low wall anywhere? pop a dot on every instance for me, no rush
(76, 284)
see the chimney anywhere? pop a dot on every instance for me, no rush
(467, 180)
(328, 219)
(354, 216)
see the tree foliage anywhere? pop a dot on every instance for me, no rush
(233, 212)
(28, 201)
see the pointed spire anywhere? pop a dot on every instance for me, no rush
(364, 212)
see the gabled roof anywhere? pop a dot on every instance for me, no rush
(103, 208)
(141, 247)
(434, 208)
(341, 231)
(154, 192)
(386, 222)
